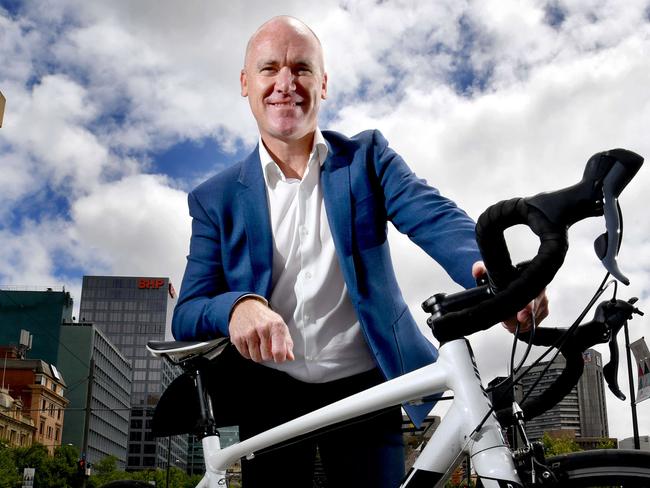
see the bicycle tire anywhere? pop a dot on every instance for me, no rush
(602, 467)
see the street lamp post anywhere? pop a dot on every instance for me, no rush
(630, 373)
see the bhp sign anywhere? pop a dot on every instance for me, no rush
(150, 283)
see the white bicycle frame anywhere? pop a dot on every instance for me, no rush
(454, 371)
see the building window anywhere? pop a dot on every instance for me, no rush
(41, 428)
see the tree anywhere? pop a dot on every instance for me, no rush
(105, 470)
(9, 475)
(34, 456)
(559, 445)
(606, 443)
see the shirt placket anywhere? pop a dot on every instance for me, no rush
(307, 264)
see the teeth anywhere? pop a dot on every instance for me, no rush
(285, 104)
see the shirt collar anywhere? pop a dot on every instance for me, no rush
(270, 169)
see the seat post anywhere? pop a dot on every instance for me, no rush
(207, 422)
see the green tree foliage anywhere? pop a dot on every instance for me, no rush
(559, 445)
(60, 469)
(606, 443)
(9, 475)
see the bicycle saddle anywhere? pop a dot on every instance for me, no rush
(181, 351)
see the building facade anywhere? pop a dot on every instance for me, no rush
(583, 411)
(98, 418)
(131, 311)
(16, 428)
(41, 312)
(628, 443)
(40, 387)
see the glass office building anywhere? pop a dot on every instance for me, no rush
(132, 311)
(583, 411)
(85, 353)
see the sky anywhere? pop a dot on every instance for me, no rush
(116, 109)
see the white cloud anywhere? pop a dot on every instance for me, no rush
(136, 226)
(92, 87)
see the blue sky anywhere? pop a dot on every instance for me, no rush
(116, 109)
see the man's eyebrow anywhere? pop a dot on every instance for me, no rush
(265, 62)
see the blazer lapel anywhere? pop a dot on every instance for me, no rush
(335, 182)
(255, 210)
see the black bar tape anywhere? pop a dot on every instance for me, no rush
(514, 291)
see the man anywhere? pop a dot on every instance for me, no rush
(289, 258)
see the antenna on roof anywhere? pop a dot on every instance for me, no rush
(25, 343)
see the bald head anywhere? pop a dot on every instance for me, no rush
(282, 24)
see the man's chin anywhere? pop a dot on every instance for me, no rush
(288, 133)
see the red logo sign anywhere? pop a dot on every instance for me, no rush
(150, 283)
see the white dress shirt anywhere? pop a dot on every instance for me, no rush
(309, 292)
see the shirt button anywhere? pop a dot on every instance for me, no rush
(307, 275)
(303, 231)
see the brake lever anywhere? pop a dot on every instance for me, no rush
(615, 314)
(609, 243)
(606, 175)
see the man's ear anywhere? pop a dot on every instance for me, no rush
(323, 90)
(243, 82)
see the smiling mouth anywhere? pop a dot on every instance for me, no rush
(285, 104)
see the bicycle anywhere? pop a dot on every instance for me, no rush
(472, 426)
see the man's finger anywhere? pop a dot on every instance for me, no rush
(242, 347)
(281, 343)
(265, 339)
(253, 345)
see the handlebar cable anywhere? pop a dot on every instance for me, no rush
(565, 337)
(557, 345)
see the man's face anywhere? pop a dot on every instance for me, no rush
(284, 81)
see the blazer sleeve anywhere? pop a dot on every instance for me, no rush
(205, 301)
(435, 223)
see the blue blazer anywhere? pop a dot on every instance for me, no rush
(365, 184)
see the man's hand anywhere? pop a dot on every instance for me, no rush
(524, 317)
(259, 333)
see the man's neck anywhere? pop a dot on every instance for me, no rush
(291, 156)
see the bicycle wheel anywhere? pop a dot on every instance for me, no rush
(603, 467)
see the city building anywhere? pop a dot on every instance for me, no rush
(628, 443)
(582, 411)
(97, 421)
(41, 312)
(16, 428)
(132, 311)
(40, 387)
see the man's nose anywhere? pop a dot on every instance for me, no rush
(285, 80)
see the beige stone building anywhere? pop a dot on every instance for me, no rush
(16, 428)
(40, 388)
